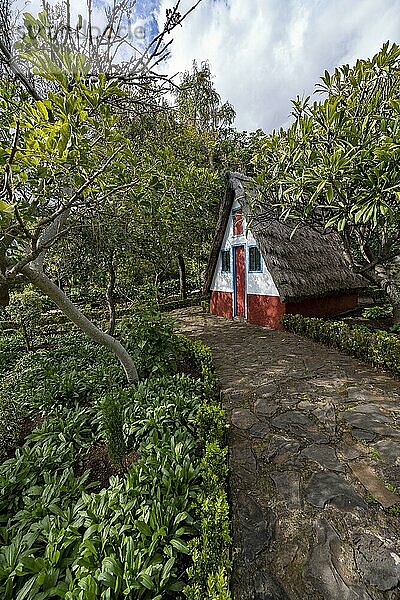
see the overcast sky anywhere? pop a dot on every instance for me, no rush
(263, 53)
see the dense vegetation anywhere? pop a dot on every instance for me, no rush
(112, 491)
(112, 480)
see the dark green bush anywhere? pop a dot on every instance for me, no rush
(201, 357)
(380, 348)
(209, 574)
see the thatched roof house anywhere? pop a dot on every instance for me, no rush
(259, 272)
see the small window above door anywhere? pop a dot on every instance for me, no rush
(237, 222)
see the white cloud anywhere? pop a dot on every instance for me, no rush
(265, 52)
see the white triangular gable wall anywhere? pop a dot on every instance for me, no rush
(261, 284)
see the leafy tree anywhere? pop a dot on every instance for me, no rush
(174, 220)
(338, 165)
(54, 169)
(105, 235)
(67, 153)
(200, 104)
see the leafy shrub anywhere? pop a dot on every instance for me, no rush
(129, 538)
(73, 370)
(151, 341)
(25, 308)
(377, 347)
(378, 312)
(211, 423)
(201, 357)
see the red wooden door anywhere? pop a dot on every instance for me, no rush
(240, 283)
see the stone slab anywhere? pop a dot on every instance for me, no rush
(329, 488)
(279, 445)
(287, 485)
(375, 486)
(264, 407)
(243, 418)
(325, 456)
(323, 566)
(389, 451)
(254, 529)
(298, 424)
(370, 419)
(378, 562)
(325, 413)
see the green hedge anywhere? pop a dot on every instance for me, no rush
(380, 348)
(210, 550)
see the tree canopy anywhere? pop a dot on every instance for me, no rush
(337, 165)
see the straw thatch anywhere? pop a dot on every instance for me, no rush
(310, 263)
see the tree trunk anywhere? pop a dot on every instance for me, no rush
(182, 277)
(110, 297)
(47, 287)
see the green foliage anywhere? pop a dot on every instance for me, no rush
(377, 347)
(59, 538)
(149, 337)
(210, 550)
(211, 423)
(338, 163)
(112, 421)
(125, 539)
(378, 312)
(25, 308)
(11, 346)
(200, 104)
(201, 357)
(73, 370)
(209, 573)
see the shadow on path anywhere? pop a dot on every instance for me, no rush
(314, 463)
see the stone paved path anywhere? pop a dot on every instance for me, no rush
(315, 437)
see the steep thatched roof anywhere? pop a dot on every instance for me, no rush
(308, 264)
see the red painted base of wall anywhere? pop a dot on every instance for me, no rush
(323, 307)
(221, 304)
(268, 310)
(265, 310)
